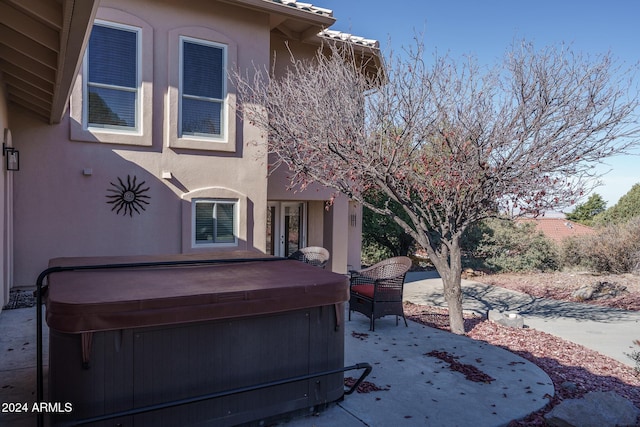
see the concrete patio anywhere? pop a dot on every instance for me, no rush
(417, 389)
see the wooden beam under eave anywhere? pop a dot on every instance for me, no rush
(310, 33)
(30, 27)
(21, 60)
(42, 104)
(28, 88)
(47, 11)
(34, 50)
(26, 76)
(35, 109)
(286, 32)
(74, 37)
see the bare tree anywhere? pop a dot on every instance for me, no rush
(450, 142)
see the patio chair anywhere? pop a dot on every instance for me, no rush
(377, 291)
(313, 255)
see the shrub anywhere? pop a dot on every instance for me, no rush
(373, 253)
(381, 236)
(500, 245)
(572, 252)
(635, 356)
(584, 213)
(627, 208)
(615, 248)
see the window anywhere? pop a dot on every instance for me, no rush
(202, 89)
(112, 83)
(215, 222)
(200, 104)
(111, 99)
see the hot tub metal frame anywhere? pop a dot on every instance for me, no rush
(41, 290)
(366, 366)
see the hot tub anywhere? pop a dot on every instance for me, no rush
(124, 338)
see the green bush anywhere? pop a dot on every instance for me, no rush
(585, 213)
(373, 252)
(627, 208)
(615, 248)
(500, 245)
(381, 236)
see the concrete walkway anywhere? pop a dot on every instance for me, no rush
(605, 330)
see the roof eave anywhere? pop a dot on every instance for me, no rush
(323, 20)
(370, 50)
(74, 36)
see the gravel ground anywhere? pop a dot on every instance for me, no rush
(20, 298)
(560, 285)
(574, 369)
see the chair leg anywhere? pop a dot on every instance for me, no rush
(403, 318)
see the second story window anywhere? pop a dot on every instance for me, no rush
(113, 78)
(202, 89)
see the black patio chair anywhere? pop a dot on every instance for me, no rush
(377, 291)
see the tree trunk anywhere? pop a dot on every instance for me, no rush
(453, 295)
(448, 263)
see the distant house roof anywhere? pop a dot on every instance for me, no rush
(558, 229)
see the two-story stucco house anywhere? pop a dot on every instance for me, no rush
(128, 139)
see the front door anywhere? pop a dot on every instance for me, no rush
(285, 228)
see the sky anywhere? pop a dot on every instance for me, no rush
(486, 29)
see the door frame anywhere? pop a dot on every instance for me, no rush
(278, 208)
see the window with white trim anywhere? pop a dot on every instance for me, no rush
(215, 222)
(203, 109)
(112, 97)
(112, 84)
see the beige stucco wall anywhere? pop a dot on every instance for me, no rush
(338, 227)
(354, 251)
(60, 192)
(5, 192)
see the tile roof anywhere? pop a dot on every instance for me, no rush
(558, 229)
(329, 34)
(304, 6)
(337, 35)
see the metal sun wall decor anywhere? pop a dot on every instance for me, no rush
(128, 197)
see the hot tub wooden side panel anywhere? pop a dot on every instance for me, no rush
(145, 366)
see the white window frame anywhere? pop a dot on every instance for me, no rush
(142, 135)
(216, 202)
(174, 138)
(224, 119)
(135, 130)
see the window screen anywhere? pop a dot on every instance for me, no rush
(203, 89)
(112, 77)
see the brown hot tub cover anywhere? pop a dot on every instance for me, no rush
(106, 299)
